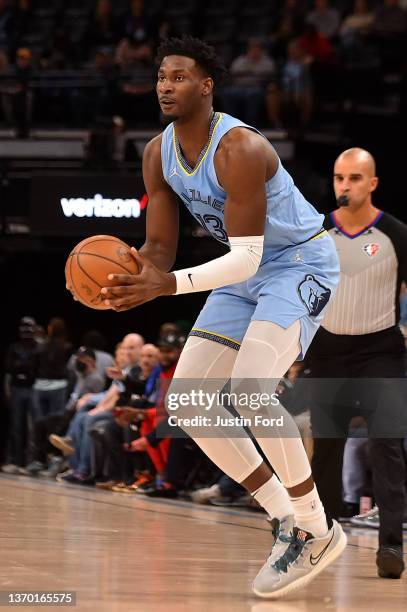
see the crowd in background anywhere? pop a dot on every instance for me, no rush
(83, 416)
(69, 61)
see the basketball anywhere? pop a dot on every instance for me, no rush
(89, 264)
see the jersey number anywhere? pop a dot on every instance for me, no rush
(213, 225)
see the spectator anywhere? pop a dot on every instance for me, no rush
(22, 16)
(390, 20)
(137, 24)
(17, 97)
(5, 24)
(316, 46)
(20, 369)
(325, 18)
(96, 97)
(250, 74)
(103, 29)
(95, 340)
(296, 99)
(389, 30)
(77, 442)
(88, 381)
(51, 385)
(109, 460)
(290, 25)
(358, 22)
(133, 52)
(151, 441)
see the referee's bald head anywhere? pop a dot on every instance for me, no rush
(358, 155)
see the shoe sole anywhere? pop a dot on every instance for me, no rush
(304, 580)
(56, 441)
(391, 566)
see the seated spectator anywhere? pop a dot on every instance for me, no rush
(390, 20)
(22, 16)
(389, 29)
(316, 46)
(250, 73)
(136, 96)
(133, 52)
(16, 95)
(359, 22)
(325, 18)
(95, 340)
(170, 347)
(103, 29)
(88, 381)
(290, 25)
(6, 24)
(78, 443)
(294, 103)
(95, 97)
(137, 23)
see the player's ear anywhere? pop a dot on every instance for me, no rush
(207, 86)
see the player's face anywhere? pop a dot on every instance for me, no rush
(353, 178)
(182, 88)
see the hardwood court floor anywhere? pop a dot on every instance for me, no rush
(123, 553)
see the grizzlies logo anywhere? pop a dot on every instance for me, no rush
(314, 295)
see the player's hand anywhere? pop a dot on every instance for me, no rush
(130, 290)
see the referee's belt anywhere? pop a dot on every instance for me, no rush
(320, 234)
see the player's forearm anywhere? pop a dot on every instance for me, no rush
(159, 255)
(237, 266)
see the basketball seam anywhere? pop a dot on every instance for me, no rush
(86, 274)
(106, 258)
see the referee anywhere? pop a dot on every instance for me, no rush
(357, 356)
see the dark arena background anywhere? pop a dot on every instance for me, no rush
(77, 107)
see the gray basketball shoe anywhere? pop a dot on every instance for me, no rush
(303, 558)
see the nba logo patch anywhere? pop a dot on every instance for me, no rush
(371, 249)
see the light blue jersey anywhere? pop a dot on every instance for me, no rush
(290, 219)
(299, 269)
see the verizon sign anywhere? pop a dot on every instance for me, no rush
(98, 206)
(83, 204)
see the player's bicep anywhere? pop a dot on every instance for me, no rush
(244, 180)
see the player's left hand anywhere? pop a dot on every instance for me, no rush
(130, 290)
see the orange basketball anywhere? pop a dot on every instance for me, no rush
(89, 264)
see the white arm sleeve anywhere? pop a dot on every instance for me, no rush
(240, 264)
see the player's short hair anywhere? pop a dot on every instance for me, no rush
(204, 55)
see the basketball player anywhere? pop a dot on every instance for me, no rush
(270, 292)
(360, 339)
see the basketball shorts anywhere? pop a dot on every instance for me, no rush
(296, 284)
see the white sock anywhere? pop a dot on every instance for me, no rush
(309, 513)
(273, 497)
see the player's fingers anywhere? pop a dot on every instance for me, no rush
(125, 279)
(114, 292)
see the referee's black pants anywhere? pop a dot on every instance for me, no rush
(361, 376)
